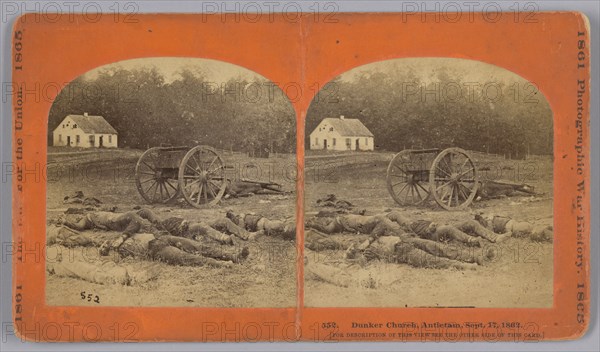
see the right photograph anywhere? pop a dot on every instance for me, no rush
(429, 183)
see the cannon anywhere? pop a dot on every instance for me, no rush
(198, 174)
(449, 176)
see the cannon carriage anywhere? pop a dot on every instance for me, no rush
(448, 176)
(162, 174)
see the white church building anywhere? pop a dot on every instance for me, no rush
(85, 131)
(341, 134)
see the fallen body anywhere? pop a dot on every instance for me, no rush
(257, 223)
(167, 248)
(77, 264)
(506, 225)
(219, 229)
(395, 223)
(489, 189)
(244, 188)
(180, 247)
(396, 239)
(402, 248)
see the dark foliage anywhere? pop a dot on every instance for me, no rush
(240, 115)
(402, 111)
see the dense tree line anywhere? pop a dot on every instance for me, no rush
(401, 109)
(405, 111)
(241, 114)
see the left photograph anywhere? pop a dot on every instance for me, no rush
(171, 182)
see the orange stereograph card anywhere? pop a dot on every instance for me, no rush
(354, 177)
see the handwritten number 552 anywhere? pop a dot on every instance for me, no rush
(90, 297)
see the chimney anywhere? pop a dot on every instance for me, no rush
(341, 117)
(85, 114)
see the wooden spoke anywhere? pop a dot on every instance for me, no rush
(417, 192)
(448, 164)
(456, 195)
(396, 184)
(160, 187)
(464, 188)
(444, 195)
(148, 165)
(166, 189)
(402, 189)
(423, 188)
(194, 192)
(155, 190)
(193, 170)
(450, 190)
(464, 173)
(212, 162)
(210, 188)
(463, 165)
(444, 171)
(399, 168)
(199, 193)
(407, 166)
(444, 185)
(212, 172)
(208, 167)
(405, 197)
(198, 163)
(403, 176)
(462, 192)
(170, 185)
(450, 198)
(216, 186)
(149, 188)
(149, 172)
(192, 183)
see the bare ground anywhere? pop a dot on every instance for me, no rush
(266, 279)
(520, 276)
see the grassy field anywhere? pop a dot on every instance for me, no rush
(521, 275)
(266, 279)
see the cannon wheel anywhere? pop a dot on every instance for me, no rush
(202, 177)
(453, 179)
(154, 185)
(404, 187)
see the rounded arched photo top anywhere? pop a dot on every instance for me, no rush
(139, 145)
(181, 101)
(416, 103)
(416, 155)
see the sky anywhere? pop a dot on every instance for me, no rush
(426, 69)
(216, 71)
